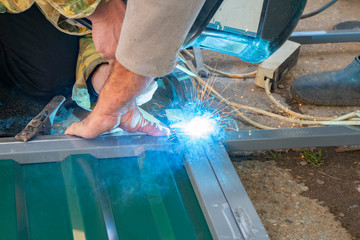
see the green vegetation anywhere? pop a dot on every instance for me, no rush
(312, 157)
(275, 155)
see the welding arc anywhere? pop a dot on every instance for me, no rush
(236, 106)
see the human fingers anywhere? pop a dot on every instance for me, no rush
(134, 121)
(92, 126)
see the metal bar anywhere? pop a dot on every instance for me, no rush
(292, 138)
(240, 204)
(200, 68)
(334, 36)
(58, 147)
(216, 209)
(41, 124)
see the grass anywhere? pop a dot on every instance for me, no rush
(312, 157)
(275, 155)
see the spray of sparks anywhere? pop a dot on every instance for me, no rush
(202, 117)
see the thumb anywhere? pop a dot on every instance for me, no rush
(74, 129)
(77, 129)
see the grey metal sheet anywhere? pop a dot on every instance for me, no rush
(317, 37)
(213, 203)
(226, 205)
(292, 138)
(126, 146)
(241, 206)
(57, 147)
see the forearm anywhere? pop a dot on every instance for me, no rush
(121, 88)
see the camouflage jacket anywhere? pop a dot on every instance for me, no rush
(61, 14)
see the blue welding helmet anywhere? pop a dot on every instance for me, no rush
(249, 29)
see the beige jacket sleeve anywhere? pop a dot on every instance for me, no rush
(153, 32)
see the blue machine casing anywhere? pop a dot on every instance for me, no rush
(249, 29)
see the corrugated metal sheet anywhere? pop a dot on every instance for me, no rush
(82, 197)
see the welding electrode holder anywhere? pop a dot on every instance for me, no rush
(41, 124)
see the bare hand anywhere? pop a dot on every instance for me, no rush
(116, 107)
(131, 121)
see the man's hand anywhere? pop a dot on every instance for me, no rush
(116, 107)
(132, 121)
(106, 27)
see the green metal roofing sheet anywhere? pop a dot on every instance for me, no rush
(82, 197)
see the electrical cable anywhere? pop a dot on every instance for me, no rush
(318, 10)
(277, 103)
(296, 118)
(290, 112)
(230, 75)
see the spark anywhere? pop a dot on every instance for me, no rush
(201, 117)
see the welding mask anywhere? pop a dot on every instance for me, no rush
(249, 29)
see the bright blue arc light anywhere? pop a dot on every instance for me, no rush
(199, 127)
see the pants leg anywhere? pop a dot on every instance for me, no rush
(34, 55)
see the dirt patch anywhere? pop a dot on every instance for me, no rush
(334, 184)
(16, 110)
(284, 212)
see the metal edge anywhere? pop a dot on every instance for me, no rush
(107, 146)
(214, 206)
(285, 138)
(58, 147)
(240, 204)
(332, 36)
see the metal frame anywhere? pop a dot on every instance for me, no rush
(58, 147)
(334, 36)
(227, 208)
(285, 138)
